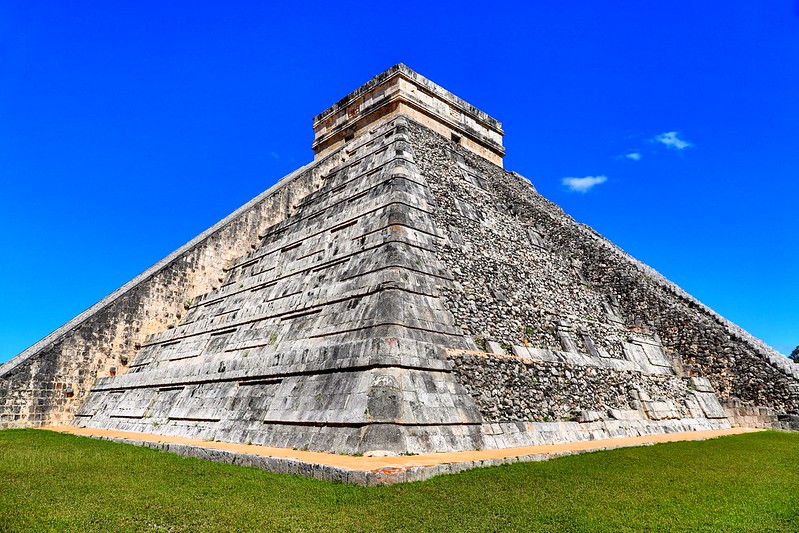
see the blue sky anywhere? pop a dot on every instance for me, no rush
(126, 128)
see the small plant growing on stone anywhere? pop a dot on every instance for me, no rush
(794, 355)
(481, 343)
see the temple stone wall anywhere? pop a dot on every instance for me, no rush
(48, 382)
(401, 91)
(532, 281)
(511, 389)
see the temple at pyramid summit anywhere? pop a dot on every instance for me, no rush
(400, 294)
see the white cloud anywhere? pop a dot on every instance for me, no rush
(583, 184)
(274, 155)
(670, 140)
(635, 156)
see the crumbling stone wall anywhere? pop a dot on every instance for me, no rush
(510, 289)
(523, 267)
(509, 389)
(47, 383)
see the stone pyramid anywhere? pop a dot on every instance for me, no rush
(403, 294)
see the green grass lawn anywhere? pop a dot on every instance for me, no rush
(50, 481)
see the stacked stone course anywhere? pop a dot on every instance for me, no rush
(49, 382)
(511, 389)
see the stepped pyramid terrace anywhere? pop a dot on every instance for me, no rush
(402, 293)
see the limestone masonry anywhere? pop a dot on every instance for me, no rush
(400, 294)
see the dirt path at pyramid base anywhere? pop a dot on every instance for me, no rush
(375, 470)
